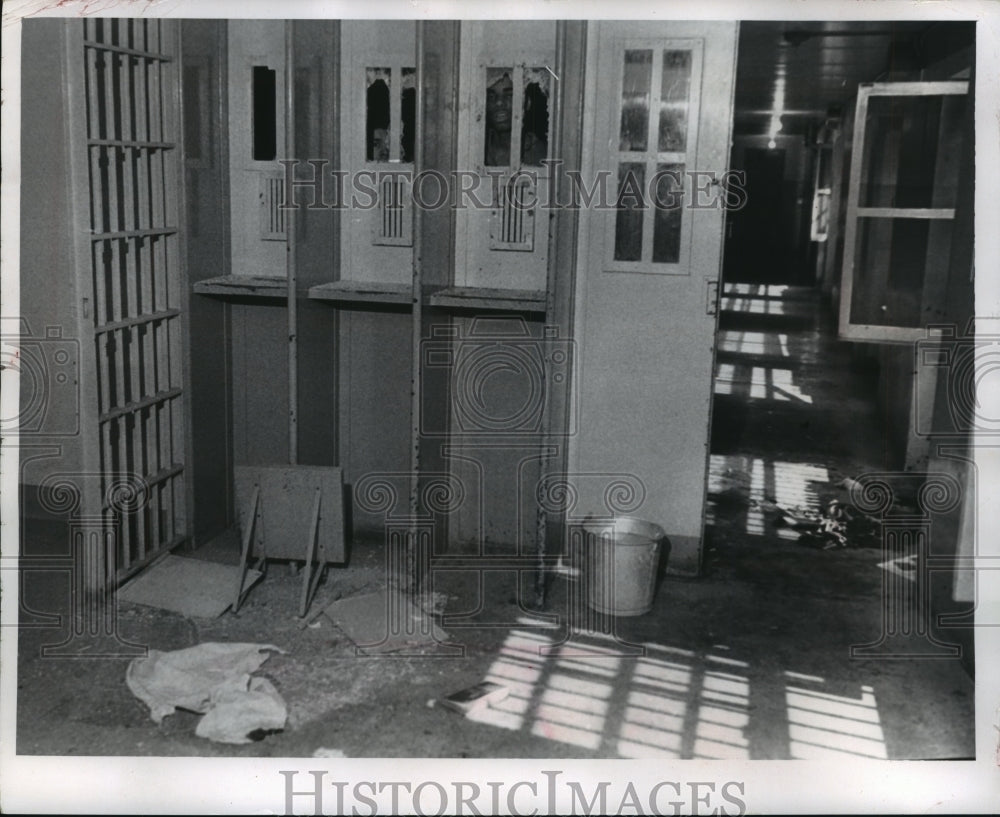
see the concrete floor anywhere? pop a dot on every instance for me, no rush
(751, 660)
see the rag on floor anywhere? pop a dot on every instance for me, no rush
(213, 679)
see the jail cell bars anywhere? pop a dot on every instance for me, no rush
(133, 155)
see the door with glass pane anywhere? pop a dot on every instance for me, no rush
(900, 209)
(659, 111)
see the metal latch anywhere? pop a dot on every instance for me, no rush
(712, 297)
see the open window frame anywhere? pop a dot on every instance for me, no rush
(867, 221)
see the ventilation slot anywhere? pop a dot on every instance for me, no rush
(394, 222)
(272, 217)
(512, 226)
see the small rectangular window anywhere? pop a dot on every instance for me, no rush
(636, 84)
(378, 118)
(408, 114)
(535, 116)
(499, 116)
(667, 213)
(675, 91)
(631, 208)
(265, 114)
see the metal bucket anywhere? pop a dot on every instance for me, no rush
(621, 558)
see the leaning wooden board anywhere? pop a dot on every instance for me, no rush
(287, 495)
(290, 512)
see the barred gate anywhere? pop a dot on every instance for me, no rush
(132, 130)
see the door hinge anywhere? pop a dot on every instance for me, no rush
(711, 297)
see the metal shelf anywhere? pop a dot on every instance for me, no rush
(363, 292)
(243, 286)
(496, 300)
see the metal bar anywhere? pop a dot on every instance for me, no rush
(122, 574)
(310, 555)
(140, 132)
(906, 212)
(134, 52)
(290, 258)
(164, 424)
(158, 399)
(172, 170)
(109, 118)
(942, 88)
(139, 143)
(119, 435)
(160, 445)
(92, 84)
(251, 522)
(156, 479)
(155, 109)
(127, 90)
(131, 365)
(103, 343)
(152, 232)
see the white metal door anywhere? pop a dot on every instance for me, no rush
(659, 106)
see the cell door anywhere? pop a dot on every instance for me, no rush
(133, 277)
(659, 112)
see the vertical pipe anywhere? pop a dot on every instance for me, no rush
(293, 378)
(555, 140)
(81, 246)
(417, 317)
(566, 138)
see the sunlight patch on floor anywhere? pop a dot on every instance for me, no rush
(822, 725)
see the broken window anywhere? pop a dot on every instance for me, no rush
(377, 114)
(517, 116)
(265, 112)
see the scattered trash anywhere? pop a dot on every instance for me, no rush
(836, 525)
(475, 697)
(385, 620)
(191, 587)
(213, 679)
(322, 751)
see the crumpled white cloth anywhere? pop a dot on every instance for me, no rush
(214, 679)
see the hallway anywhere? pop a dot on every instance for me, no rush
(794, 417)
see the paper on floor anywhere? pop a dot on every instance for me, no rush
(213, 679)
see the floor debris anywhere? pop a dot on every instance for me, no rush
(836, 525)
(475, 697)
(385, 621)
(322, 751)
(191, 587)
(213, 679)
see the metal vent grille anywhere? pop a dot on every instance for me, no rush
(512, 225)
(394, 221)
(272, 217)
